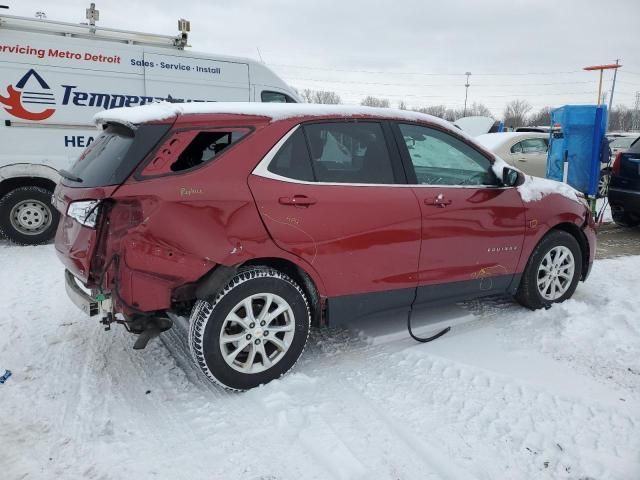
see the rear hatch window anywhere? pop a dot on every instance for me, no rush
(114, 154)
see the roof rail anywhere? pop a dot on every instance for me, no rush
(91, 31)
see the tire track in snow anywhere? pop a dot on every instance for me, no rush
(500, 417)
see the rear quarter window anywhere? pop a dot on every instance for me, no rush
(189, 149)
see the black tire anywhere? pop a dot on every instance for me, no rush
(528, 293)
(209, 317)
(624, 219)
(38, 201)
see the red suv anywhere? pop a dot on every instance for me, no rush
(260, 220)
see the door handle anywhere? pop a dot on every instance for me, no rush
(297, 200)
(438, 201)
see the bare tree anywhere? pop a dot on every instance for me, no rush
(477, 110)
(321, 96)
(402, 105)
(620, 118)
(375, 102)
(435, 110)
(541, 118)
(450, 114)
(515, 113)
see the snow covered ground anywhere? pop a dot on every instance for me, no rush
(510, 394)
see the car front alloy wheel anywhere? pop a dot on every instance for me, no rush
(552, 272)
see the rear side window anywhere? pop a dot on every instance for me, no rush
(349, 152)
(114, 154)
(292, 160)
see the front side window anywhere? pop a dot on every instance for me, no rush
(439, 158)
(349, 152)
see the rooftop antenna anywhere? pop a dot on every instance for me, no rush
(93, 16)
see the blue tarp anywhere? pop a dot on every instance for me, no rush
(579, 143)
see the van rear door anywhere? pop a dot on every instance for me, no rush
(195, 79)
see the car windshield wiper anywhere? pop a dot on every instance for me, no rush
(70, 176)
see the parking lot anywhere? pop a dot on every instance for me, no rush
(508, 393)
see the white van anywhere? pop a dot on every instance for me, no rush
(55, 76)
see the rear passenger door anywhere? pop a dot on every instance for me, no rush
(335, 195)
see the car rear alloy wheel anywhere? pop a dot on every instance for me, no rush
(556, 273)
(257, 333)
(552, 272)
(27, 216)
(253, 331)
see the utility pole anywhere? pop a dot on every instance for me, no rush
(466, 93)
(613, 87)
(635, 125)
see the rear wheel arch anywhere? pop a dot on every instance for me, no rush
(300, 276)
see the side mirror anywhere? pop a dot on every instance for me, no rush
(511, 177)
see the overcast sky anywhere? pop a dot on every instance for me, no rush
(411, 50)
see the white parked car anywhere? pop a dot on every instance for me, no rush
(526, 151)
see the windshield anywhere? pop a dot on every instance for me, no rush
(114, 154)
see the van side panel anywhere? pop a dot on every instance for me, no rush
(189, 78)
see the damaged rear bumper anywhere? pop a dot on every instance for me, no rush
(81, 299)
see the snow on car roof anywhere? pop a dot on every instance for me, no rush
(275, 111)
(494, 140)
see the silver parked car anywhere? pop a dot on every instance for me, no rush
(526, 151)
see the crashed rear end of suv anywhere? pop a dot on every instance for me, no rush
(257, 221)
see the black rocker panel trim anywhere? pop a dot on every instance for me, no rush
(342, 310)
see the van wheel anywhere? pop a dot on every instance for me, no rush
(553, 271)
(254, 330)
(27, 216)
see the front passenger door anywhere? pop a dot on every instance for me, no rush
(472, 228)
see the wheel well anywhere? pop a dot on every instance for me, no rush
(580, 237)
(301, 277)
(12, 183)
